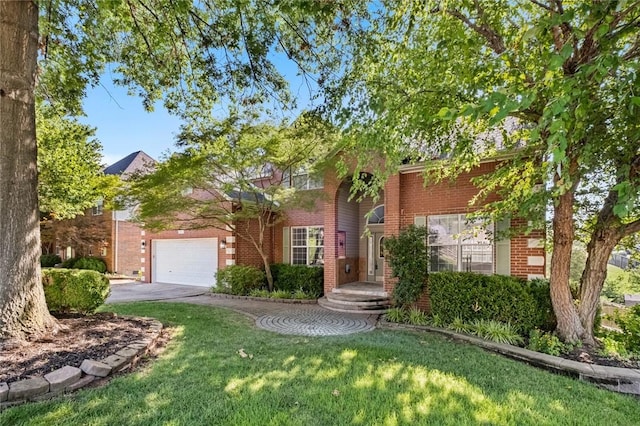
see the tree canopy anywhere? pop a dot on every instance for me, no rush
(234, 175)
(549, 87)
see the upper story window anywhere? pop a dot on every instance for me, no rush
(459, 244)
(98, 208)
(302, 180)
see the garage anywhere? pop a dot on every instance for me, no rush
(191, 261)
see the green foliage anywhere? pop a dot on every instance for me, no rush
(292, 278)
(259, 293)
(280, 294)
(397, 314)
(620, 282)
(70, 177)
(239, 279)
(496, 331)
(406, 254)
(49, 260)
(417, 317)
(91, 263)
(545, 342)
(629, 323)
(302, 295)
(470, 297)
(459, 326)
(68, 263)
(79, 291)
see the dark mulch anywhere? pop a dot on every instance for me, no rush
(81, 337)
(592, 356)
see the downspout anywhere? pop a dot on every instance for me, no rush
(115, 245)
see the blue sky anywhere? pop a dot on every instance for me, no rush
(123, 126)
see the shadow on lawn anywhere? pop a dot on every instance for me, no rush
(382, 377)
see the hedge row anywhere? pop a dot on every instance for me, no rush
(78, 291)
(242, 280)
(524, 304)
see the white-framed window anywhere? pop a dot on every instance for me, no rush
(302, 180)
(457, 243)
(307, 245)
(98, 208)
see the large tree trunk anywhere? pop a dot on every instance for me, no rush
(569, 326)
(23, 310)
(598, 251)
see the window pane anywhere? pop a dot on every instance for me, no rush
(443, 230)
(477, 258)
(443, 258)
(316, 237)
(300, 181)
(476, 232)
(299, 256)
(316, 256)
(299, 237)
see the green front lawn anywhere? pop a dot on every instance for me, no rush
(381, 377)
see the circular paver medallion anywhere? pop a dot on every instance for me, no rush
(313, 323)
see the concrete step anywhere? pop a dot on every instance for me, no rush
(351, 309)
(364, 291)
(357, 299)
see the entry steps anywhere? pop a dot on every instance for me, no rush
(357, 299)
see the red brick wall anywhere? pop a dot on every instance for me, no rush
(246, 253)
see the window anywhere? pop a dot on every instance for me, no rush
(376, 216)
(459, 244)
(97, 209)
(307, 245)
(302, 180)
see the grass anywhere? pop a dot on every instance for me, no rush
(376, 378)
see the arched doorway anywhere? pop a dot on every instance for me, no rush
(375, 244)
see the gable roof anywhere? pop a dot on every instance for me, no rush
(130, 164)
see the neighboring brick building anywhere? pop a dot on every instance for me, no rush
(343, 236)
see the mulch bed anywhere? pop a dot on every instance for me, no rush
(81, 337)
(591, 356)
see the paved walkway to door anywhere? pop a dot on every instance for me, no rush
(284, 318)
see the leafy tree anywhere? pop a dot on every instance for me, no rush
(553, 84)
(70, 177)
(234, 175)
(190, 54)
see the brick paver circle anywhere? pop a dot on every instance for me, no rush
(314, 322)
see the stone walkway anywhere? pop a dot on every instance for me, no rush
(283, 318)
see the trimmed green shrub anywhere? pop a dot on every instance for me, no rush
(49, 260)
(239, 279)
(407, 257)
(469, 296)
(292, 278)
(90, 263)
(68, 264)
(80, 291)
(302, 295)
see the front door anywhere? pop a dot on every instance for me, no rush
(375, 257)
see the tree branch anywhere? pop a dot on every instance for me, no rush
(493, 38)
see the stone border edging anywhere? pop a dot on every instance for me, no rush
(68, 379)
(265, 299)
(617, 379)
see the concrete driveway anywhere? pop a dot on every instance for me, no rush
(138, 292)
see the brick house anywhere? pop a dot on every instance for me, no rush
(333, 235)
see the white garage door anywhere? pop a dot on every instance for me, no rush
(191, 261)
